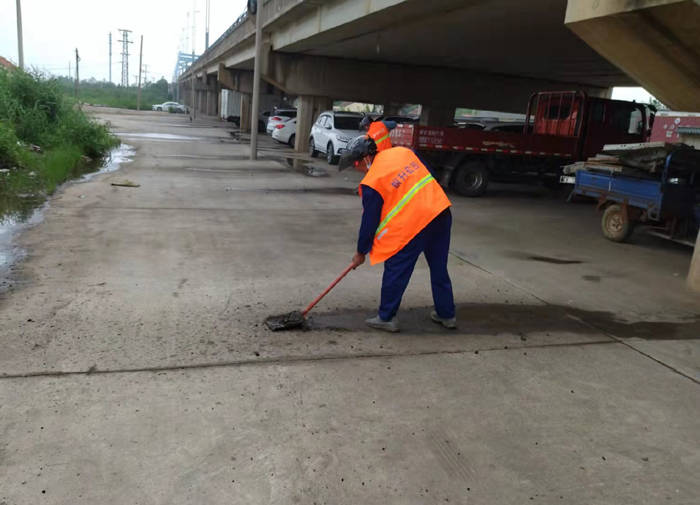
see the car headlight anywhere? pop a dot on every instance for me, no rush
(343, 139)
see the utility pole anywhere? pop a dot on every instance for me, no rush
(145, 78)
(138, 99)
(125, 56)
(70, 72)
(77, 73)
(20, 40)
(206, 33)
(110, 56)
(256, 82)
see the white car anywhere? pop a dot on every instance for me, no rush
(286, 132)
(167, 105)
(332, 132)
(280, 116)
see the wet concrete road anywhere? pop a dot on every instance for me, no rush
(136, 368)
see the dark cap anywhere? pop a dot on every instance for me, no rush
(357, 149)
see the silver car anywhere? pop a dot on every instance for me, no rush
(181, 109)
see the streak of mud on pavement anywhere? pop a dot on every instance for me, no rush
(497, 319)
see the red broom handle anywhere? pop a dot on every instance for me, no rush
(328, 289)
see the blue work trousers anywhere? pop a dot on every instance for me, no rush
(434, 241)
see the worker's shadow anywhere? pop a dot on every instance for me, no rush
(516, 319)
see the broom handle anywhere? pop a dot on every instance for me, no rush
(328, 289)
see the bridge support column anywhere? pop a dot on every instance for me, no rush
(210, 103)
(218, 99)
(310, 107)
(437, 115)
(694, 275)
(246, 111)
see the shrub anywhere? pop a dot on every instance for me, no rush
(35, 110)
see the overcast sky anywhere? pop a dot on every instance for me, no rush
(53, 29)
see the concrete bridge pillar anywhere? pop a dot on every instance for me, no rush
(210, 105)
(437, 115)
(246, 111)
(694, 275)
(309, 108)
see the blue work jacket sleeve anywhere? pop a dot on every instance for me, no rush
(372, 203)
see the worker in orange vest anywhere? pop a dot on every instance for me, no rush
(406, 213)
(379, 131)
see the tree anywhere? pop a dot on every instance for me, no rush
(161, 86)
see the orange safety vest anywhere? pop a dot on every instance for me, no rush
(380, 134)
(412, 199)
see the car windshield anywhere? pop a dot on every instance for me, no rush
(347, 122)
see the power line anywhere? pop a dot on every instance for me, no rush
(125, 56)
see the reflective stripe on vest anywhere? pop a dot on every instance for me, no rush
(385, 137)
(409, 196)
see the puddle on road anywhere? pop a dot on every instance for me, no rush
(158, 136)
(18, 212)
(224, 158)
(301, 166)
(300, 191)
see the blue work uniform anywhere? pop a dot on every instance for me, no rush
(433, 241)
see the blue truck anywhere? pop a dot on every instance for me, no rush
(667, 203)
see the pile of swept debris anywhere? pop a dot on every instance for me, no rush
(644, 161)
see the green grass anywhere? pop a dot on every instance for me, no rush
(36, 110)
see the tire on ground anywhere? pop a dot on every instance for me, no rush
(331, 158)
(616, 226)
(312, 148)
(471, 179)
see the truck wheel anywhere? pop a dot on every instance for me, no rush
(471, 179)
(616, 226)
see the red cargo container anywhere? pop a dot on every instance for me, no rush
(669, 126)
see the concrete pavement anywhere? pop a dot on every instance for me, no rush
(135, 367)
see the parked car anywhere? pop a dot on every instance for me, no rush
(286, 132)
(332, 132)
(181, 109)
(280, 116)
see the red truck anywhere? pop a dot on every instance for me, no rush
(560, 128)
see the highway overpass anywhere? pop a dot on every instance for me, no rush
(487, 54)
(443, 54)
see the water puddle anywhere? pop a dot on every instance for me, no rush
(158, 136)
(21, 211)
(234, 157)
(300, 191)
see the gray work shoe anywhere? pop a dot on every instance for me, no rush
(390, 326)
(450, 324)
